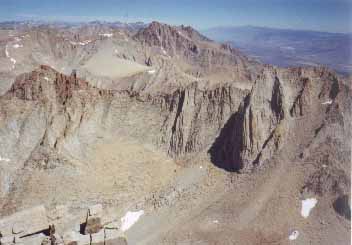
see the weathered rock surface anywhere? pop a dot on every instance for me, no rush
(24, 223)
(279, 98)
(31, 227)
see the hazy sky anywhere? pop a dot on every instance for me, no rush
(325, 15)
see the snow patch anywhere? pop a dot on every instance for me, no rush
(83, 43)
(307, 206)
(329, 102)
(216, 221)
(294, 235)
(46, 78)
(4, 159)
(163, 50)
(13, 62)
(17, 45)
(151, 71)
(130, 219)
(17, 39)
(8, 56)
(7, 52)
(106, 35)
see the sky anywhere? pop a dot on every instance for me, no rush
(319, 15)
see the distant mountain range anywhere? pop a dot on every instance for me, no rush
(285, 47)
(64, 24)
(281, 47)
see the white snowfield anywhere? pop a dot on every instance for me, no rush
(83, 43)
(294, 235)
(329, 102)
(8, 56)
(130, 219)
(106, 34)
(7, 52)
(307, 206)
(13, 62)
(17, 45)
(4, 159)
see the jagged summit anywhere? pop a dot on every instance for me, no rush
(172, 37)
(161, 30)
(195, 54)
(166, 36)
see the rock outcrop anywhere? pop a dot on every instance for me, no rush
(195, 54)
(31, 227)
(195, 116)
(271, 112)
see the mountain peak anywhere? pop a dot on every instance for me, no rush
(156, 31)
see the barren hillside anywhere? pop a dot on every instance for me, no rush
(158, 135)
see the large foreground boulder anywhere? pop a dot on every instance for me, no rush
(26, 222)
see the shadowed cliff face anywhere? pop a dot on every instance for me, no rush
(270, 116)
(226, 150)
(196, 116)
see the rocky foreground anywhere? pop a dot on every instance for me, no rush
(72, 137)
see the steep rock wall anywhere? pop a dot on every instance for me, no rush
(272, 114)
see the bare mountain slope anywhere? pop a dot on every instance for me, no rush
(208, 144)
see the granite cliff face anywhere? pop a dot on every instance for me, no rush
(271, 115)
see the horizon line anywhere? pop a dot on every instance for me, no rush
(150, 21)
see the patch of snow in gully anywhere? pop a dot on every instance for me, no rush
(7, 52)
(151, 71)
(130, 219)
(17, 45)
(106, 34)
(14, 62)
(307, 206)
(4, 159)
(83, 43)
(329, 102)
(293, 236)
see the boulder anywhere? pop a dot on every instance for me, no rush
(93, 222)
(93, 225)
(36, 239)
(5, 240)
(25, 222)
